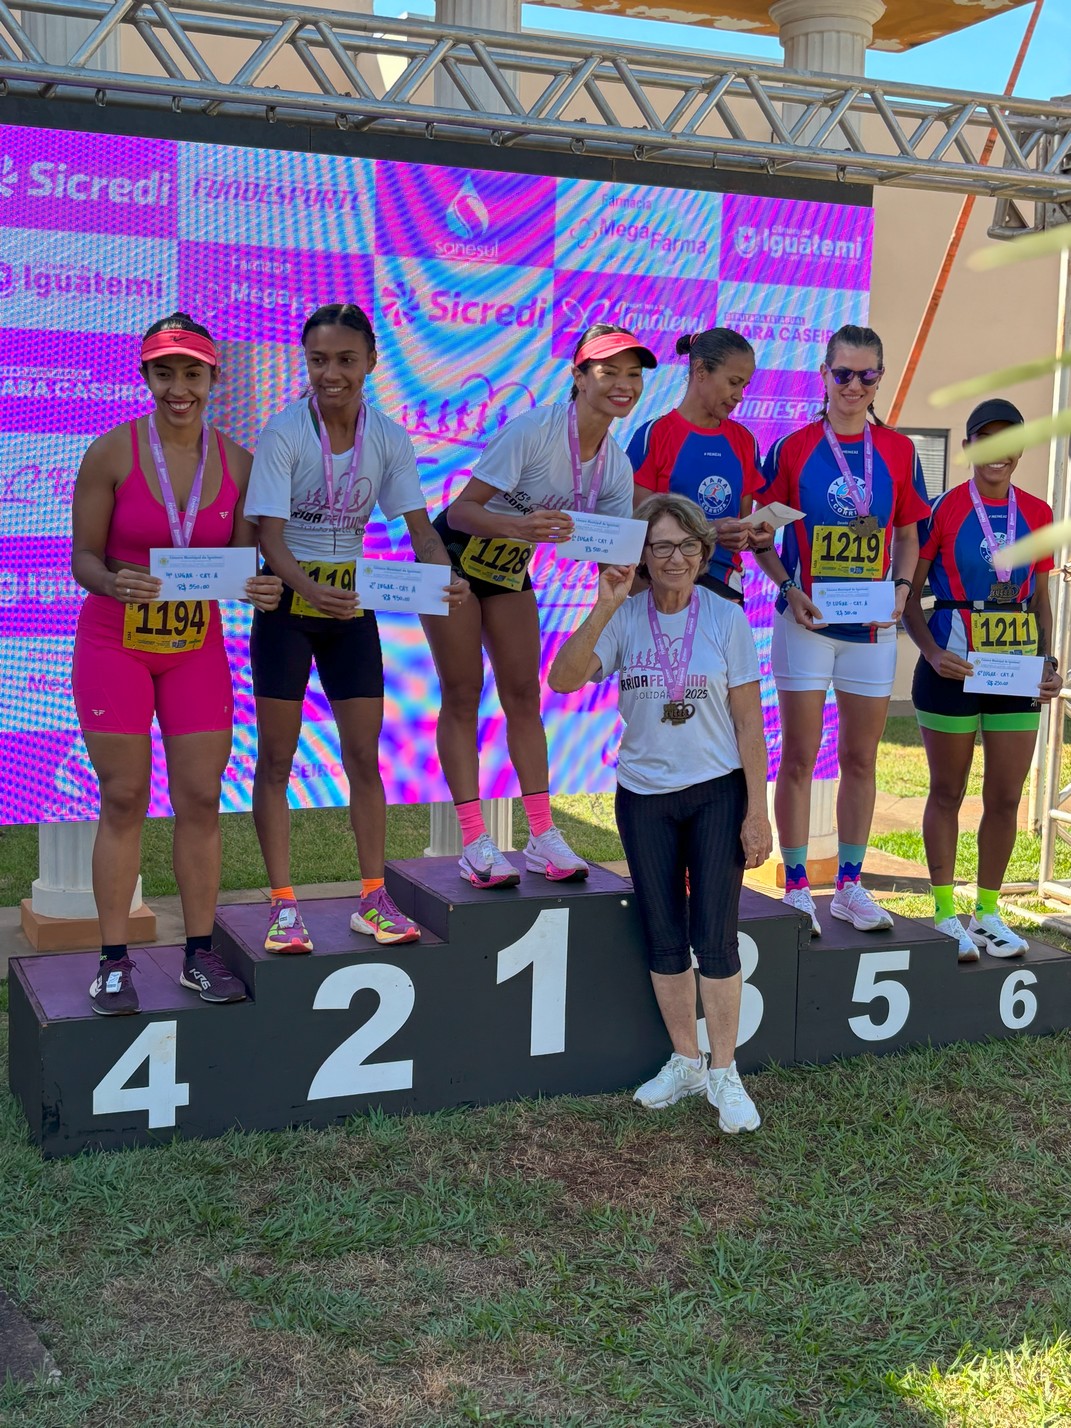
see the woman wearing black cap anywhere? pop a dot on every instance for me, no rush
(978, 609)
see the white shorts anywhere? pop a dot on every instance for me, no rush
(807, 659)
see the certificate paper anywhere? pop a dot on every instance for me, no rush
(1006, 674)
(203, 572)
(775, 515)
(855, 602)
(408, 587)
(612, 540)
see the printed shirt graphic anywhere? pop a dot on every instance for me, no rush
(802, 471)
(528, 462)
(961, 568)
(660, 758)
(716, 467)
(287, 481)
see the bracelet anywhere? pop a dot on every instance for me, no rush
(786, 586)
(1052, 660)
(761, 549)
(901, 581)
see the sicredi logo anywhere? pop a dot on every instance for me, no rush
(401, 303)
(9, 176)
(44, 279)
(468, 218)
(782, 241)
(52, 180)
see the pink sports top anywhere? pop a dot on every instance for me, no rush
(139, 521)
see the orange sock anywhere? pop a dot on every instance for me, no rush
(283, 895)
(370, 885)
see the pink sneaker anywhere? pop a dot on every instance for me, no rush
(378, 914)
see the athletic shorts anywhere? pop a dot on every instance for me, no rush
(117, 691)
(808, 659)
(455, 542)
(282, 647)
(945, 706)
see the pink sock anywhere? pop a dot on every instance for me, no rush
(537, 808)
(470, 816)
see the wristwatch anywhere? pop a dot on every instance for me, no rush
(1051, 659)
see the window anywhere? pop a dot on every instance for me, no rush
(931, 443)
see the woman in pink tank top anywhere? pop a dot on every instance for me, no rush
(165, 479)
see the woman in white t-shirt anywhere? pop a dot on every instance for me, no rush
(691, 795)
(321, 466)
(537, 468)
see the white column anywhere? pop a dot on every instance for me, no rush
(502, 15)
(826, 36)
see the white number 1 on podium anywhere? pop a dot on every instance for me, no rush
(544, 948)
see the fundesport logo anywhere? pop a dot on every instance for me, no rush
(796, 244)
(656, 310)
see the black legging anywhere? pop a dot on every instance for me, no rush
(696, 831)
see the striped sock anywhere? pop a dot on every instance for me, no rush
(849, 862)
(795, 861)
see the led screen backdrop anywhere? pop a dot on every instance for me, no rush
(479, 284)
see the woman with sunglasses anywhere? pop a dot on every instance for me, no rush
(691, 794)
(530, 474)
(978, 610)
(860, 486)
(697, 451)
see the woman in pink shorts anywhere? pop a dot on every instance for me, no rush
(163, 480)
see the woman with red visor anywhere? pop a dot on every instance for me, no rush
(530, 474)
(164, 480)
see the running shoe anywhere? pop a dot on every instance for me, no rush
(552, 856)
(952, 927)
(378, 914)
(287, 931)
(678, 1078)
(802, 901)
(206, 972)
(993, 935)
(484, 866)
(852, 903)
(736, 1110)
(112, 992)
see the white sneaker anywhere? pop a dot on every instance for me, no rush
(852, 903)
(802, 901)
(678, 1078)
(993, 935)
(952, 927)
(736, 1110)
(552, 856)
(485, 866)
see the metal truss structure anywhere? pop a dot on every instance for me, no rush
(239, 58)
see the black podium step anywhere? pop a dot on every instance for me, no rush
(541, 989)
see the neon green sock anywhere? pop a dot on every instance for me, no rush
(944, 905)
(987, 901)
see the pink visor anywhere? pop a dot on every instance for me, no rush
(609, 344)
(173, 342)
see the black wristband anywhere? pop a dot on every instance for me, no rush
(761, 549)
(901, 581)
(1051, 659)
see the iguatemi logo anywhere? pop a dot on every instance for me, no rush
(715, 494)
(784, 241)
(9, 176)
(44, 279)
(839, 498)
(401, 303)
(745, 241)
(468, 218)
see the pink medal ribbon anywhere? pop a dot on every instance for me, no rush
(337, 508)
(181, 530)
(1001, 592)
(861, 499)
(675, 710)
(580, 501)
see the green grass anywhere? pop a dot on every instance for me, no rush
(902, 767)
(888, 1251)
(1023, 867)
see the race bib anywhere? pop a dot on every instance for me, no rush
(165, 626)
(849, 554)
(496, 560)
(338, 574)
(994, 632)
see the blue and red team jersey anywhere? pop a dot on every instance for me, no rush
(716, 467)
(802, 471)
(961, 568)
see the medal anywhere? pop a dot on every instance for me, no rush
(864, 525)
(676, 710)
(861, 499)
(337, 506)
(1003, 592)
(580, 501)
(181, 530)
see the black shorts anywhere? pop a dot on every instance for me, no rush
(455, 542)
(282, 647)
(944, 705)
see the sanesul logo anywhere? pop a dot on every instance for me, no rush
(467, 215)
(794, 243)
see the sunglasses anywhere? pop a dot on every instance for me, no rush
(843, 375)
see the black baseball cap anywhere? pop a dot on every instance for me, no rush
(995, 409)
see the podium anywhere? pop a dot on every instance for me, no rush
(536, 990)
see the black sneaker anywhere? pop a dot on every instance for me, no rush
(204, 972)
(112, 992)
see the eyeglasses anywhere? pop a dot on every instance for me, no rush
(843, 375)
(663, 549)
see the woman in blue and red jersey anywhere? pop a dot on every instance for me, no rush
(696, 451)
(978, 610)
(860, 486)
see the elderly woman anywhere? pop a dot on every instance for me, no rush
(691, 796)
